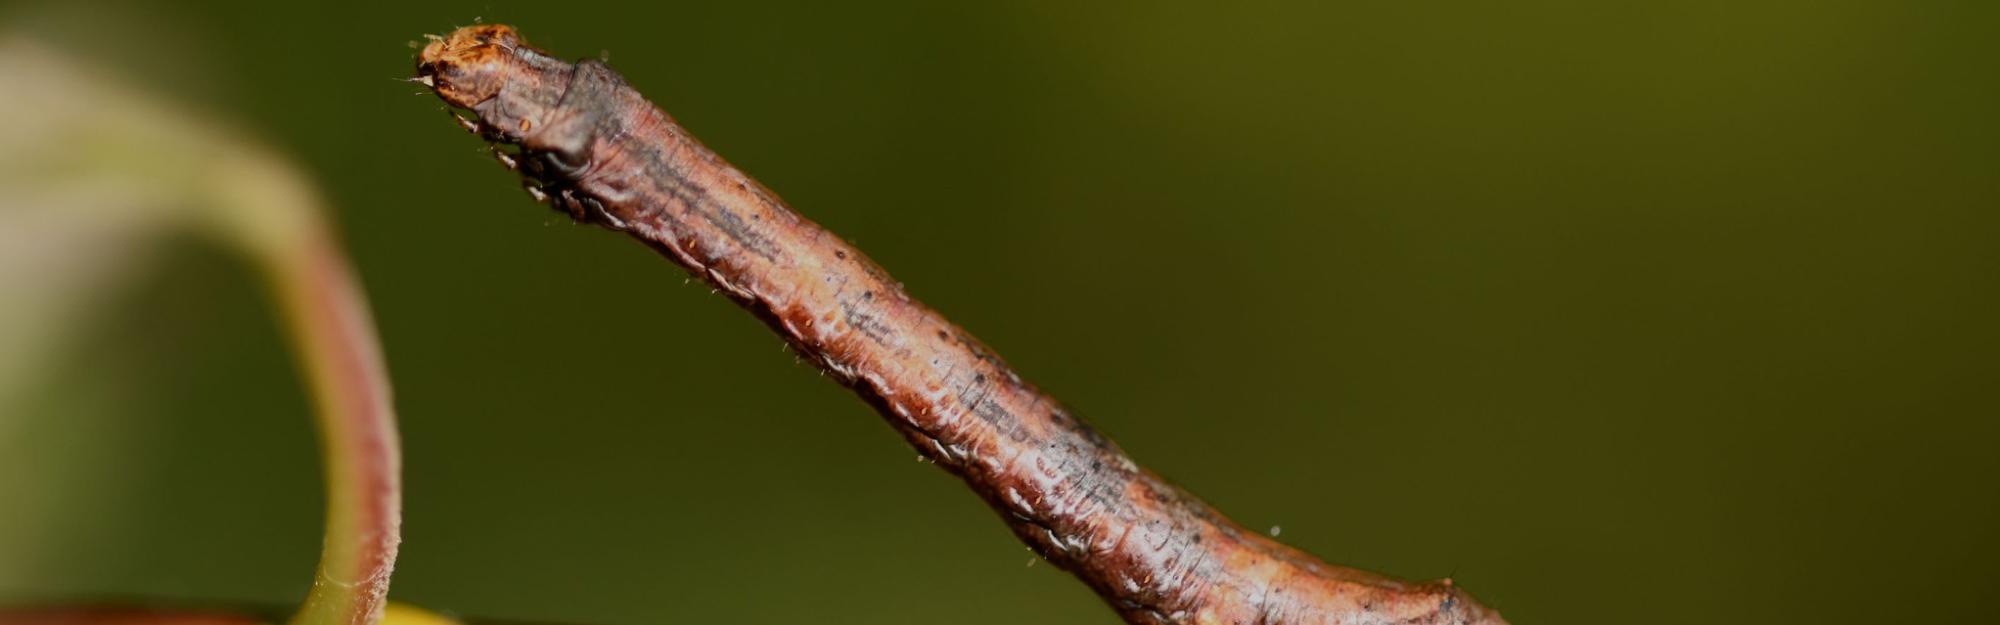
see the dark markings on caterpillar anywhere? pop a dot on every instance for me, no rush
(593, 148)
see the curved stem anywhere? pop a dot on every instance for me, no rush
(140, 165)
(330, 327)
(270, 211)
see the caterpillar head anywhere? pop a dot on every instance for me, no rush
(487, 69)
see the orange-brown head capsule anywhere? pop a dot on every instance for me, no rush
(469, 65)
(486, 68)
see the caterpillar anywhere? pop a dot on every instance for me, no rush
(591, 146)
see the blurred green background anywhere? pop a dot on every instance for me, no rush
(1614, 312)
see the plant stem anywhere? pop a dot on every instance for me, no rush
(325, 314)
(330, 325)
(129, 163)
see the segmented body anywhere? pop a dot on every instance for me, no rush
(594, 148)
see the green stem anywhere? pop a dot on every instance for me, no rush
(86, 148)
(326, 315)
(330, 325)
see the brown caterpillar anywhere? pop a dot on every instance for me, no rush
(593, 147)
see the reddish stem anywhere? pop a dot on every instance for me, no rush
(327, 316)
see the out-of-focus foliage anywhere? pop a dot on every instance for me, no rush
(93, 177)
(96, 175)
(1677, 311)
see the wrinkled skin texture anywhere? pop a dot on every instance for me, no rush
(593, 147)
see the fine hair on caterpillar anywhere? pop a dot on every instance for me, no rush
(547, 123)
(593, 147)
